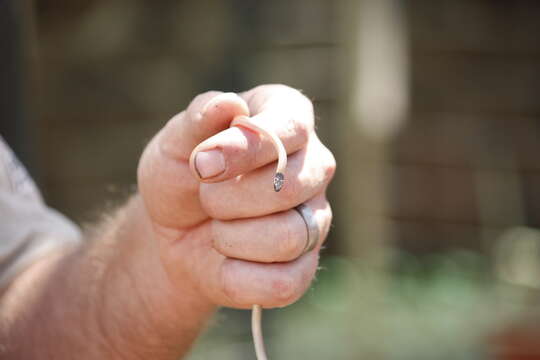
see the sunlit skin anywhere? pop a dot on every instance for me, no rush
(153, 273)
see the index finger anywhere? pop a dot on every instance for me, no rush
(277, 108)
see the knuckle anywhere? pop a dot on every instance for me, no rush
(204, 97)
(288, 92)
(276, 87)
(330, 164)
(284, 290)
(302, 132)
(307, 104)
(197, 104)
(327, 222)
(305, 111)
(330, 214)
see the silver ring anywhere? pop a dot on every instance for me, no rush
(311, 227)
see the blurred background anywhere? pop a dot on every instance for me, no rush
(430, 107)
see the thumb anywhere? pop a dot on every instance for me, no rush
(169, 189)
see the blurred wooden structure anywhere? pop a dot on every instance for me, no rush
(456, 165)
(464, 165)
(461, 167)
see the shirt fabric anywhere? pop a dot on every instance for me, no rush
(28, 228)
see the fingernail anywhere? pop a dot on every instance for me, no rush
(209, 163)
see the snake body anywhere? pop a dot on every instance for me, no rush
(278, 182)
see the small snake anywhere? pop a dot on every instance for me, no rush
(279, 180)
(246, 122)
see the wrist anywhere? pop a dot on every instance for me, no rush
(141, 310)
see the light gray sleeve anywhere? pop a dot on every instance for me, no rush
(28, 228)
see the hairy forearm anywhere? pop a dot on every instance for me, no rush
(109, 299)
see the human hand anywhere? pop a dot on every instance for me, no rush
(220, 226)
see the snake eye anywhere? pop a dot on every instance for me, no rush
(279, 179)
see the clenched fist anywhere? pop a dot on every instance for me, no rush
(218, 223)
(207, 229)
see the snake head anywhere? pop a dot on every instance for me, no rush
(279, 179)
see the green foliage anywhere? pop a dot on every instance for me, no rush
(438, 307)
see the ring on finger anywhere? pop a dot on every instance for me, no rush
(311, 226)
